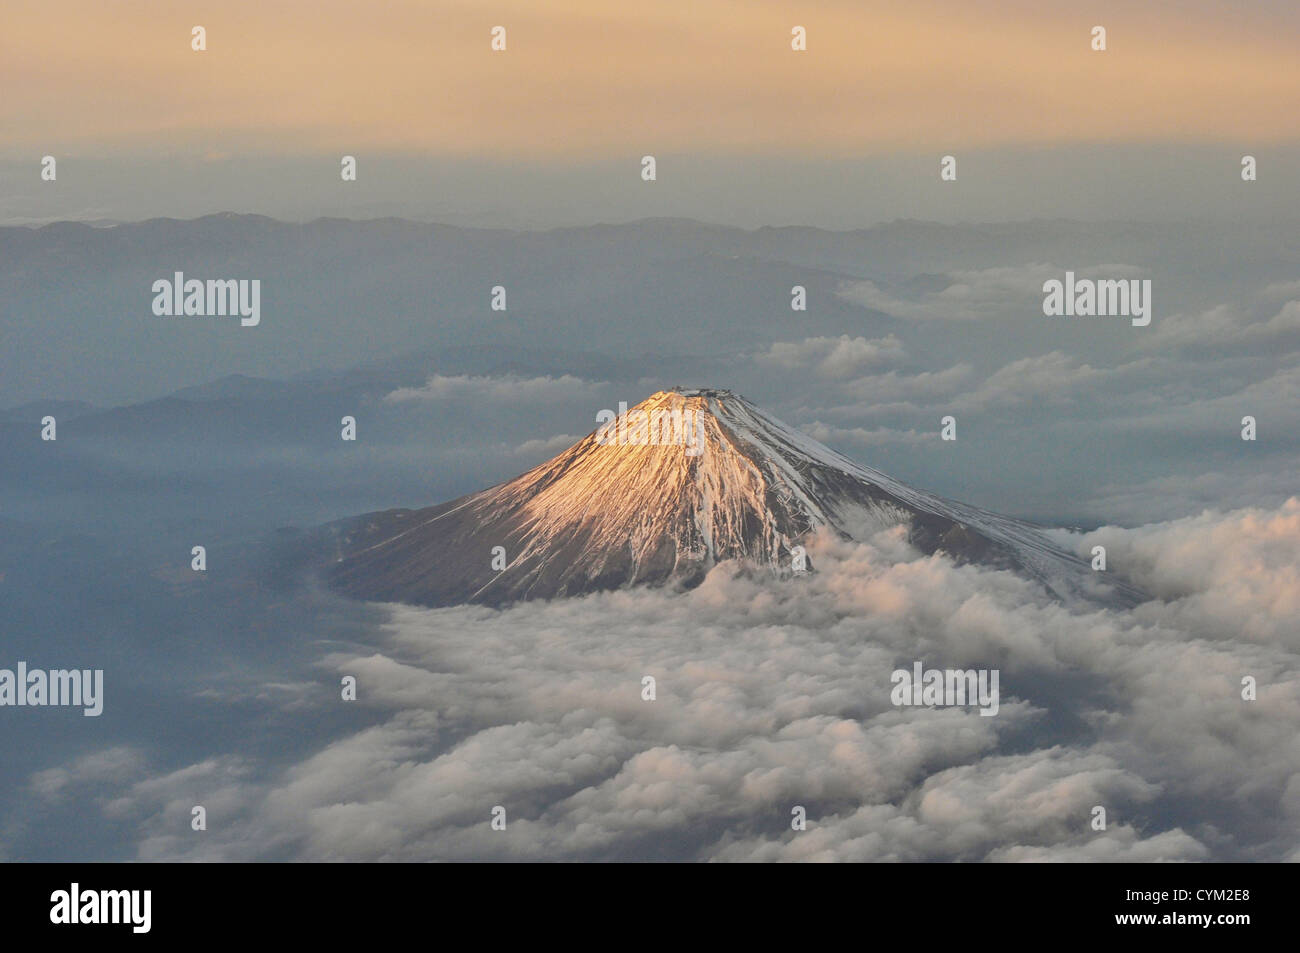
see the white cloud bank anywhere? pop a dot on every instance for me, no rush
(984, 294)
(777, 694)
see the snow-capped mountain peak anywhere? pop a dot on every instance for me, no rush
(660, 493)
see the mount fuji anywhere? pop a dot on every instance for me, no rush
(647, 501)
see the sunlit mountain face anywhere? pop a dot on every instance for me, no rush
(659, 494)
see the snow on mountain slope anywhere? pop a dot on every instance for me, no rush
(686, 479)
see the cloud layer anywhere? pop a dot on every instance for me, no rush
(772, 695)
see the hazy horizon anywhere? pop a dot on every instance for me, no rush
(1088, 183)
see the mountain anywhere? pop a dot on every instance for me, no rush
(681, 482)
(32, 411)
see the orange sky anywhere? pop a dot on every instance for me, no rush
(586, 80)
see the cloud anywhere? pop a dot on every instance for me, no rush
(1229, 329)
(547, 447)
(1221, 576)
(1272, 396)
(833, 358)
(893, 389)
(986, 294)
(505, 389)
(109, 765)
(774, 694)
(1170, 497)
(1032, 801)
(863, 437)
(1057, 379)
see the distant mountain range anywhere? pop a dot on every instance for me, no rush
(337, 293)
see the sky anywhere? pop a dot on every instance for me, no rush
(551, 130)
